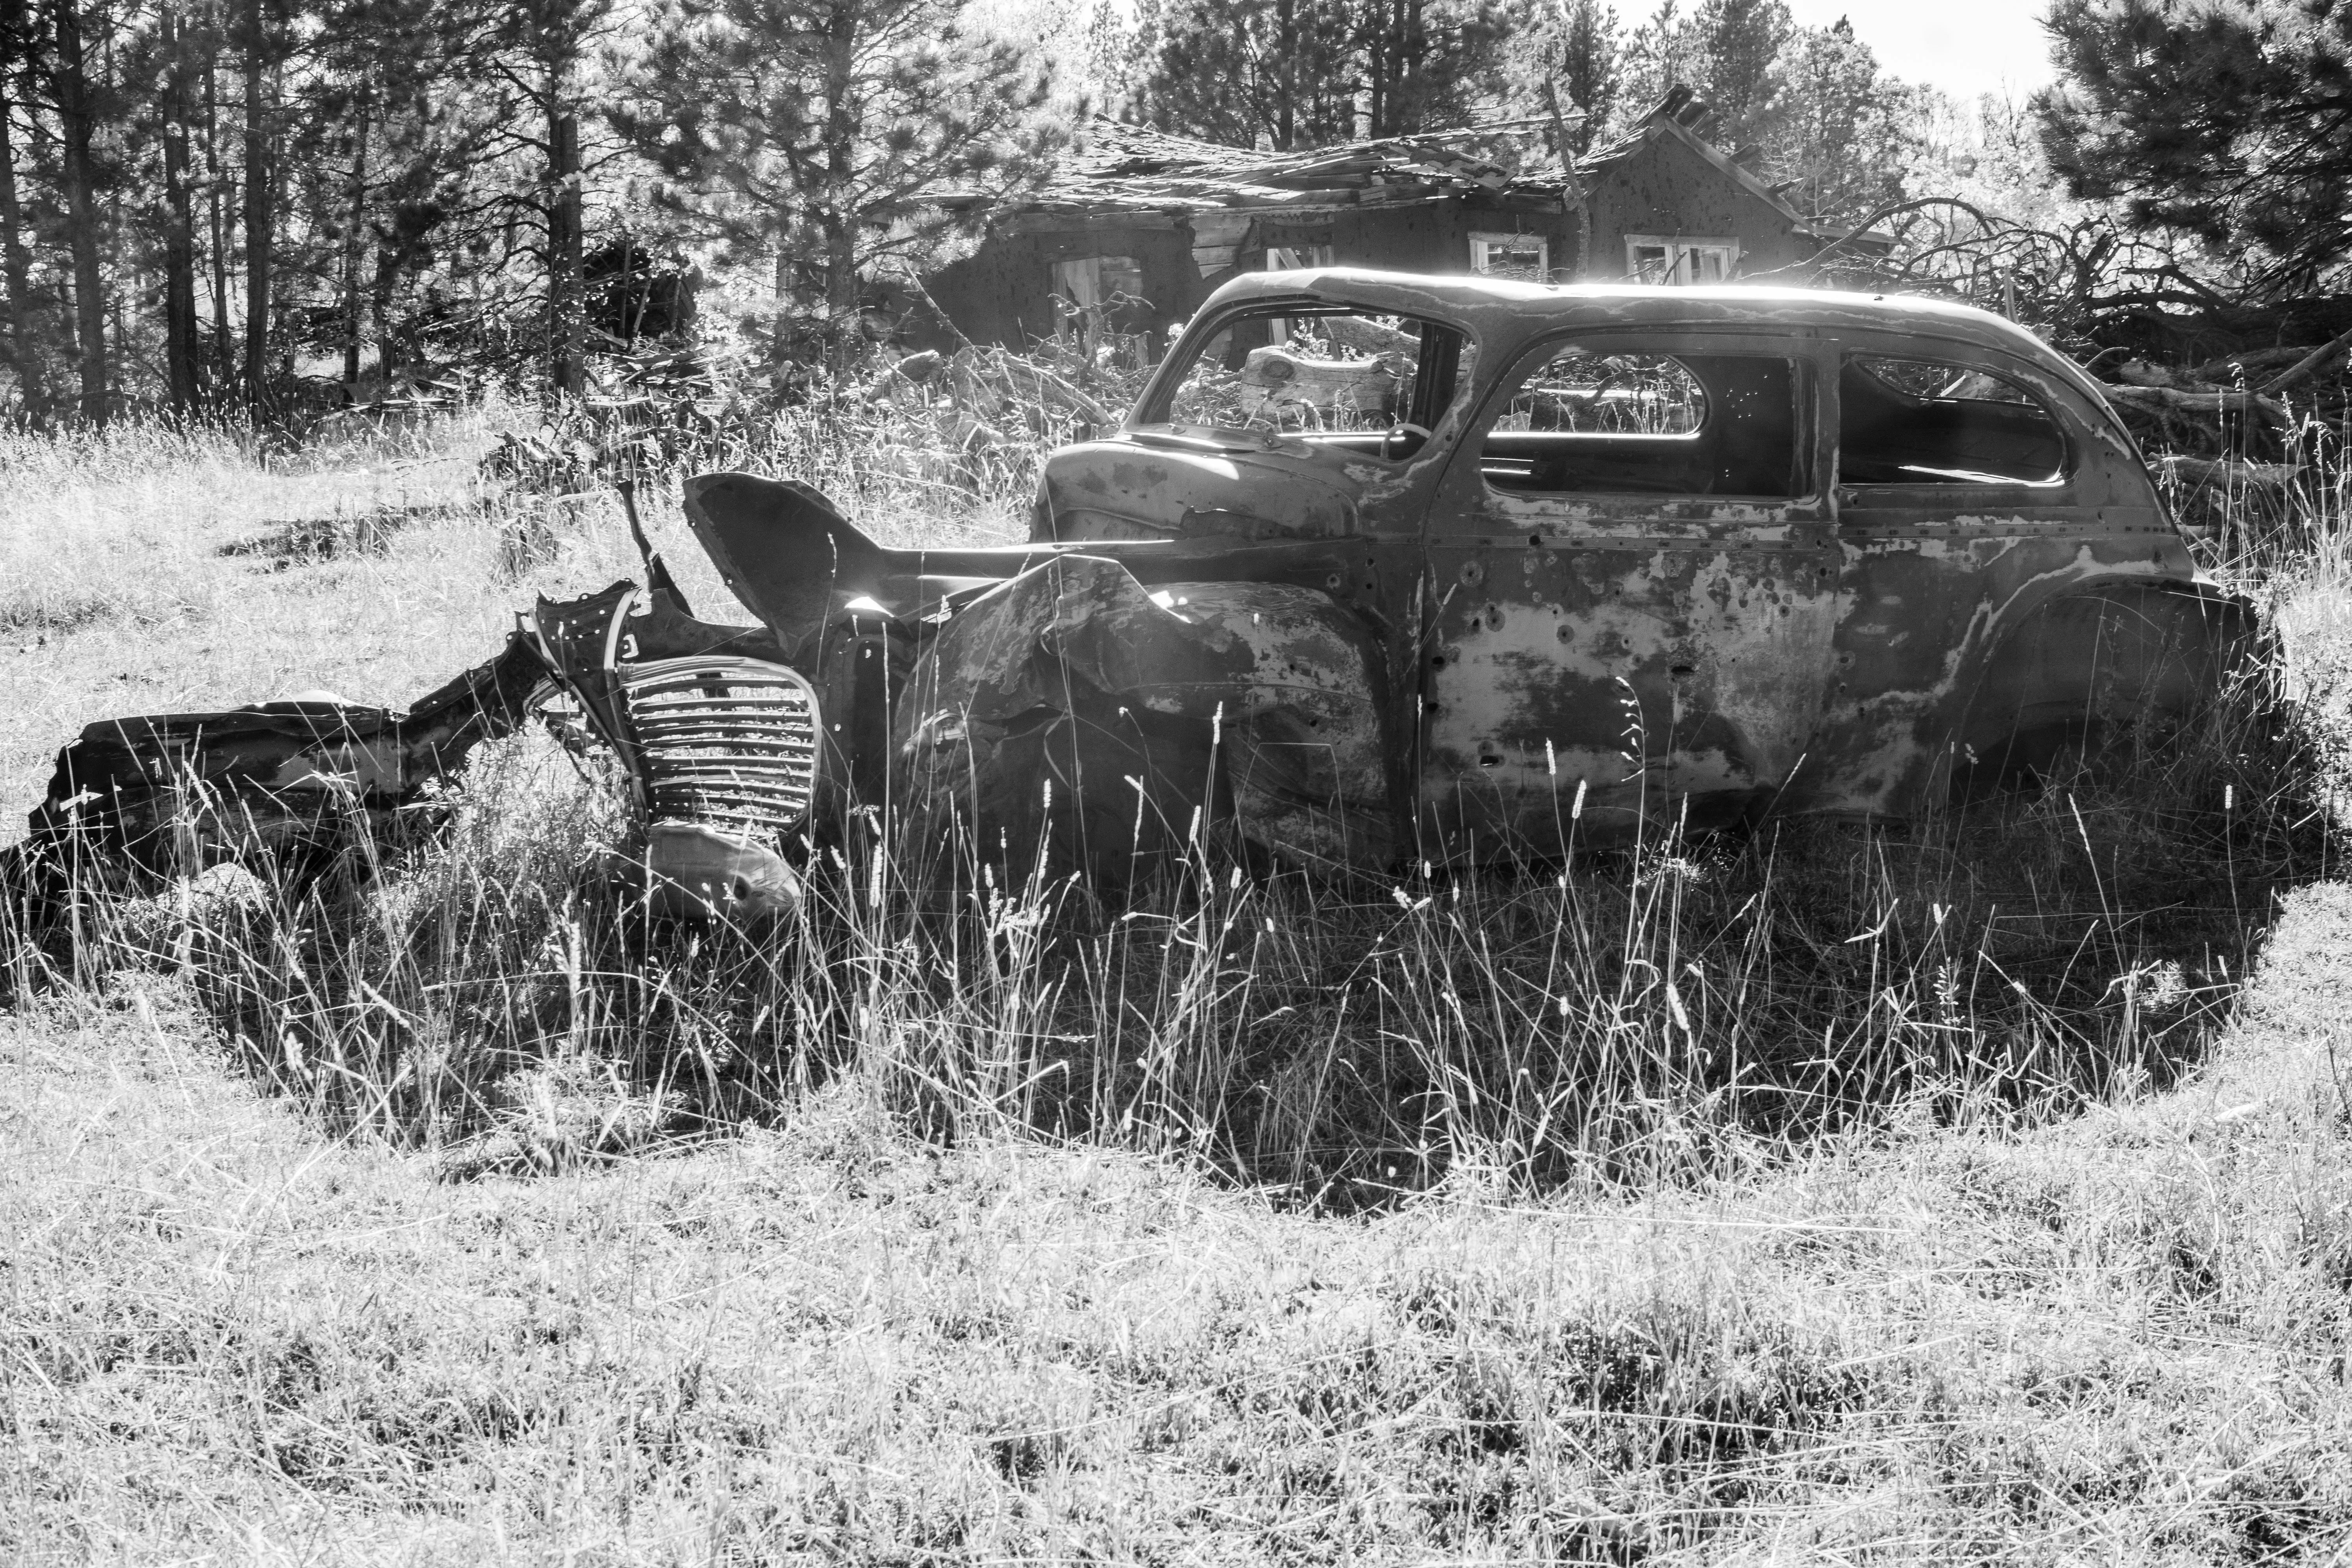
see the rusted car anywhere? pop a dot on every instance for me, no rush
(1382, 569)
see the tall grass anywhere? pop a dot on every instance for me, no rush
(480, 982)
(490, 988)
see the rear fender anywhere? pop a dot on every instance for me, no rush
(2087, 665)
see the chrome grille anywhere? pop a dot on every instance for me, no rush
(724, 741)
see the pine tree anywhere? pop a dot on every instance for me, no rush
(1848, 135)
(820, 135)
(1583, 56)
(1309, 73)
(1736, 65)
(2227, 122)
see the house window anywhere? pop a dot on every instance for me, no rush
(1680, 259)
(1293, 257)
(1527, 256)
(1090, 282)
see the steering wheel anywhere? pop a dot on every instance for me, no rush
(1401, 428)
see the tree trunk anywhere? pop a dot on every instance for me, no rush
(1285, 124)
(841, 136)
(1573, 183)
(566, 345)
(567, 370)
(81, 216)
(780, 347)
(387, 281)
(15, 259)
(180, 346)
(219, 224)
(352, 244)
(259, 219)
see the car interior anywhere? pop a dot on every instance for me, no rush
(1930, 421)
(1585, 420)
(1348, 380)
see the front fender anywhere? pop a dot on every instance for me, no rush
(1076, 714)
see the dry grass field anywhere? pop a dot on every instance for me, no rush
(1972, 1191)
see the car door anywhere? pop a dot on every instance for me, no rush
(1961, 504)
(1629, 591)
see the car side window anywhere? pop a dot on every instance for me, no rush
(1596, 417)
(1371, 384)
(1935, 422)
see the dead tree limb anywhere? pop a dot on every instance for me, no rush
(2309, 363)
(2228, 473)
(2157, 399)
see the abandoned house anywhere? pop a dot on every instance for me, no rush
(1143, 224)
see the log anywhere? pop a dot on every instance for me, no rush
(2310, 362)
(2228, 473)
(2252, 406)
(2230, 366)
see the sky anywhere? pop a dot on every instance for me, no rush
(1964, 47)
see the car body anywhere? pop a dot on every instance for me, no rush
(1600, 555)
(1381, 570)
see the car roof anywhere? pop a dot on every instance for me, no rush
(1505, 307)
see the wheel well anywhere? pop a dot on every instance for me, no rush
(2080, 668)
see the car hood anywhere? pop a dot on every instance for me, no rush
(1181, 483)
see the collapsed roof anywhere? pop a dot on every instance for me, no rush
(1135, 168)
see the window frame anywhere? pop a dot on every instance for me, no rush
(1321, 256)
(1151, 408)
(1957, 495)
(1683, 248)
(1061, 267)
(1471, 494)
(1480, 240)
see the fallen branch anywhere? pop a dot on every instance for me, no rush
(2228, 473)
(2230, 366)
(2250, 404)
(2310, 362)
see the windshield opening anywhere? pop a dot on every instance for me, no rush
(1353, 379)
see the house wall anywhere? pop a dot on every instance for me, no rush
(1002, 292)
(1666, 188)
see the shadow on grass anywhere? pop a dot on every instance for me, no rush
(475, 982)
(313, 541)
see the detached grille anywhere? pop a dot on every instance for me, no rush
(725, 742)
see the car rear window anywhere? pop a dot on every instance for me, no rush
(1602, 417)
(1936, 422)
